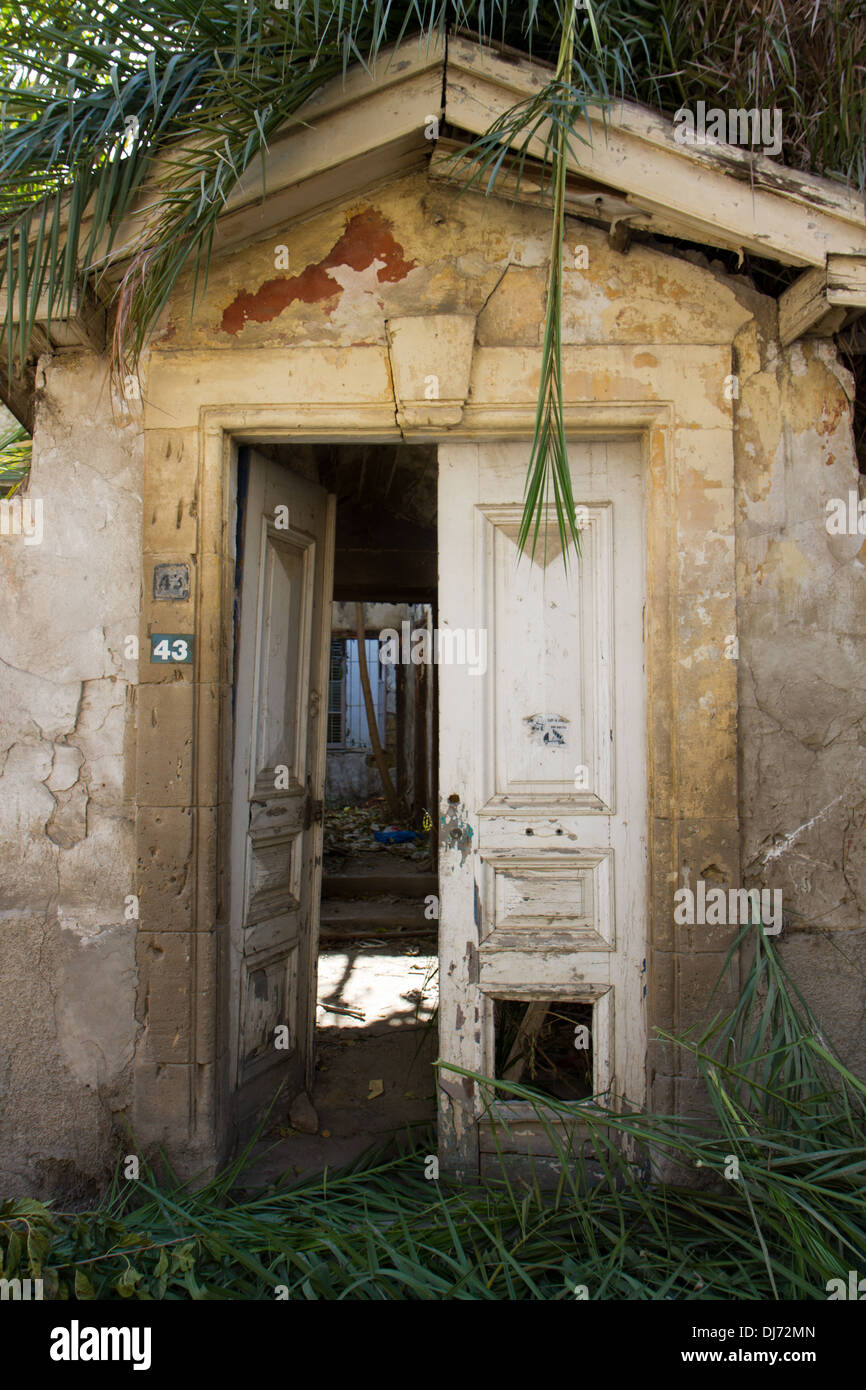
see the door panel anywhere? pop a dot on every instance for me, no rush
(283, 632)
(543, 859)
(552, 711)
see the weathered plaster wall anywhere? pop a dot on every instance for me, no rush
(802, 615)
(350, 779)
(646, 329)
(67, 982)
(411, 247)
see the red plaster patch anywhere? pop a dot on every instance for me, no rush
(367, 238)
(830, 415)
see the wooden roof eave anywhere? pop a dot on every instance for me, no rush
(371, 126)
(719, 194)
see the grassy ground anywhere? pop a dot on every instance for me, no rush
(784, 1211)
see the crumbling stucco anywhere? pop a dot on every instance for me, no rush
(802, 698)
(413, 249)
(83, 985)
(66, 826)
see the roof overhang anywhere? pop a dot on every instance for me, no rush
(375, 125)
(628, 170)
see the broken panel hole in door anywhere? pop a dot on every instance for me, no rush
(546, 1046)
(371, 973)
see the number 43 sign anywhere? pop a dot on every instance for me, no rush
(174, 647)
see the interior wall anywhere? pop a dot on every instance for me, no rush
(386, 557)
(351, 774)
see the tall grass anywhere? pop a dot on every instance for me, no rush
(780, 1103)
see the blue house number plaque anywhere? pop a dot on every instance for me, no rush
(172, 647)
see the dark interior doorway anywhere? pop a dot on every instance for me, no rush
(376, 1019)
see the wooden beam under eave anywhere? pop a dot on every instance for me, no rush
(18, 392)
(803, 305)
(720, 192)
(819, 300)
(846, 281)
(83, 326)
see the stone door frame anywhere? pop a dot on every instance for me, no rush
(675, 406)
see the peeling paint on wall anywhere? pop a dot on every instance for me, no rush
(72, 720)
(367, 241)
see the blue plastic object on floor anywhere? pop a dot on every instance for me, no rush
(394, 837)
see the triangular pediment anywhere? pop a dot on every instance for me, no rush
(370, 126)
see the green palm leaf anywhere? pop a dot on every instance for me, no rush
(16, 448)
(204, 84)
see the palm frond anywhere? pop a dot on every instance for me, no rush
(777, 1223)
(16, 449)
(104, 101)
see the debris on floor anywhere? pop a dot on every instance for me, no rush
(302, 1115)
(341, 1009)
(395, 836)
(350, 830)
(386, 1058)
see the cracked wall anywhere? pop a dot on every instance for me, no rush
(66, 819)
(802, 696)
(643, 328)
(410, 247)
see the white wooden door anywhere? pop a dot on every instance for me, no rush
(285, 569)
(543, 796)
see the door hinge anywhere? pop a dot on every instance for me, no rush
(313, 810)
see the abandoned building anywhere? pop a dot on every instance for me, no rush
(344, 417)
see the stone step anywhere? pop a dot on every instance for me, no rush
(406, 885)
(345, 919)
